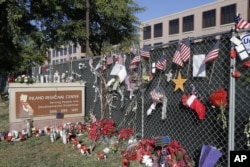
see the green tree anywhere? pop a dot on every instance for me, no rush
(29, 28)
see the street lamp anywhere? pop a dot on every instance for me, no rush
(87, 28)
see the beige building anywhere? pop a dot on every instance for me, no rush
(66, 53)
(210, 18)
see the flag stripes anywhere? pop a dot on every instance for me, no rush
(177, 56)
(161, 63)
(182, 53)
(145, 51)
(213, 54)
(240, 23)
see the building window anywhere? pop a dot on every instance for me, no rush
(57, 53)
(74, 48)
(188, 23)
(174, 26)
(248, 13)
(147, 32)
(228, 14)
(61, 51)
(54, 53)
(70, 49)
(158, 44)
(208, 18)
(49, 53)
(158, 30)
(65, 51)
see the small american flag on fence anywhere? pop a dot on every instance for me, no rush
(177, 56)
(240, 23)
(161, 63)
(213, 54)
(185, 50)
(145, 51)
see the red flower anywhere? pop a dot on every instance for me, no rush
(125, 133)
(104, 127)
(125, 162)
(219, 98)
(236, 74)
(233, 53)
(246, 64)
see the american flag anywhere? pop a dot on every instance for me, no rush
(132, 66)
(145, 52)
(109, 60)
(240, 23)
(156, 95)
(161, 63)
(185, 50)
(177, 56)
(136, 59)
(213, 54)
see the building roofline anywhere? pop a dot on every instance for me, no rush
(186, 10)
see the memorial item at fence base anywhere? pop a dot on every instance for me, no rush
(125, 133)
(101, 155)
(179, 82)
(24, 79)
(209, 156)
(161, 141)
(177, 155)
(125, 162)
(194, 103)
(219, 100)
(147, 160)
(247, 133)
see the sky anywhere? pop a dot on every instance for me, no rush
(159, 8)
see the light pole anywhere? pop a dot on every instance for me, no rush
(87, 28)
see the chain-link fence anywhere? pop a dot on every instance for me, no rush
(180, 123)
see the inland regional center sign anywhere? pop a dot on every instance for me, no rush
(42, 103)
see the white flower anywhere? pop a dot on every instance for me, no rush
(147, 160)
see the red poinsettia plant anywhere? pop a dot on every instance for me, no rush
(126, 133)
(145, 147)
(219, 99)
(104, 127)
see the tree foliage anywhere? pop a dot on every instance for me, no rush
(29, 28)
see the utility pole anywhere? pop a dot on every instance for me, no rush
(87, 28)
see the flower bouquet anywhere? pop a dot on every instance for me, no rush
(218, 99)
(24, 79)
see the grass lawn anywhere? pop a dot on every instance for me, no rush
(41, 152)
